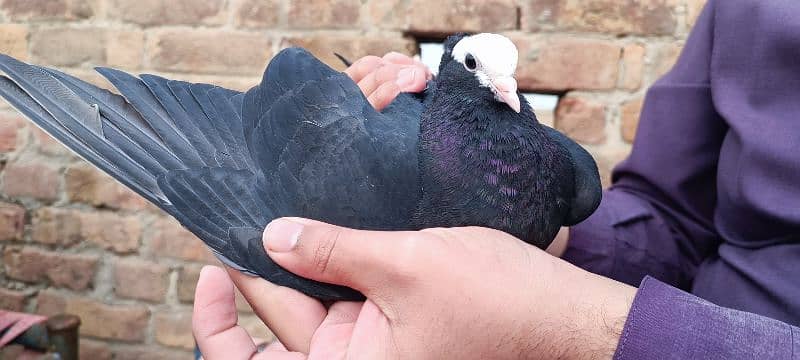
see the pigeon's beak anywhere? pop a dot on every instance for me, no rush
(506, 90)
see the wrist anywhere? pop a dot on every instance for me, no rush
(601, 311)
(583, 315)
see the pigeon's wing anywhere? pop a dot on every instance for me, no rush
(588, 190)
(304, 142)
(323, 152)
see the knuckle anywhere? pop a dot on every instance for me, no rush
(322, 256)
(410, 257)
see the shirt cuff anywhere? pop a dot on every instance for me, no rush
(667, 323)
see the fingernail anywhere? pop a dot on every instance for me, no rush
(281, 235)
(406, 77)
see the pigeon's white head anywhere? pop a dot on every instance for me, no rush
(493, 59)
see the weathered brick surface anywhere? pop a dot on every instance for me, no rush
(559, 64)
(173, 12)
(35, 180)
(12, 221)
(324, 14)
(72, 271)
(13, 40)
(168, 238)
(118, 322)
(174, 329)
(85, 183)
(56, 226)
(187, 280)
(630, 118)
(581, 119)
(139, 352)
(142, 280)
(119, 233)
(206, 51)
(101, 251)
(94, 350)
(11, 130)
(445, 17)
(257, 14)
(650, 17)
(12, 300)
(20, 10)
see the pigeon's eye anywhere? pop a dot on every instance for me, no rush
(470, 63)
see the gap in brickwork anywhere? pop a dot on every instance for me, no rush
(544, 105)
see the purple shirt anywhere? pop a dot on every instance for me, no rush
(709, 199)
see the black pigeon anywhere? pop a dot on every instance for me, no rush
(305, 142)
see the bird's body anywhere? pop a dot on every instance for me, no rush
(305, 142)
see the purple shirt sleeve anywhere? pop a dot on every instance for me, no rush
(666, 323)
(657, 218)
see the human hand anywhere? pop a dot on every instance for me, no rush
(382, 79)
(435, 293)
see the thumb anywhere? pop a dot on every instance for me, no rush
(362, 260)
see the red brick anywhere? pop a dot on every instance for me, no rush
(560, 64)
(48, 9)
(173, 12)
(111, 231)
(125, 49)
(606, 161)
(187, 281)
(141, 352)
(168, 238)
(85, 183)
(633, 65)
(50, 302)
(69, 46)
(12, 222)
(46, 144)
(118, 322)
(581, 119)
(449, 16)
(11, 125)
(351, 47)
(174, 329)
(648, 17)
(94, 350)
(693, 10)
(29, 179)
(258, 14)
(209, 51)
(54, 226)
(62, 270)
(315, 14)
(142, 280)
(14, 40)
(12, 300)
(665, 58)
(630, 119)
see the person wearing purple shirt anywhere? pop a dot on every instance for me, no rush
(704, 217)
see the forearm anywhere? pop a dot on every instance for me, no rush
(665, 322)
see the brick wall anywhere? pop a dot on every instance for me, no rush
(73, 240)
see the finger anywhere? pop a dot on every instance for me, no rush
(363, 67)
(336, 331)
(384, 95)
(290, 315)
(412, 78)
(214, 321)
(398, 58)
(363, 260)
(279, 355)
(381, 75)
